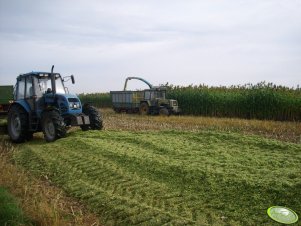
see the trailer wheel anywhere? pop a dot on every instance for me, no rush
(117, 110)
(94, 116)
(164, 112)
(53, 126)
(17, 124)
(144, 109)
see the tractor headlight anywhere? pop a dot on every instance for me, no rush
(74, 105)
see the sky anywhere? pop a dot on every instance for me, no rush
(101, 42)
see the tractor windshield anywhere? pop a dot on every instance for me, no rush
(45, 84)
(150, 95)
(59, 85)
(159, 94)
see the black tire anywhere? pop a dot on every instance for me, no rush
(53, 126)
(17, 124)
(94, 116)
(117, 110)
(144, 109)
(164, 112)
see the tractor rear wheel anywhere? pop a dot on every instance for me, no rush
(17, 124)
(144, 109)
(53, 126)
(94, 116)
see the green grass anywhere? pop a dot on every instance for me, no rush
(97, 99)
(10, 212)
(171, 178)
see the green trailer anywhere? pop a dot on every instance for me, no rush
(6, 98)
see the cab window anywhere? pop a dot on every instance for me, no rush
(21, 89)
(147, 95)
(29, 88)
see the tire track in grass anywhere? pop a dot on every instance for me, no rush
(167, 201)
(115, 187)
(232, 146)
(168, 171)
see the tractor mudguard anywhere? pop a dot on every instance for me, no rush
(22, 103)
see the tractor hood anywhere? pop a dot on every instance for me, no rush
(68, 103)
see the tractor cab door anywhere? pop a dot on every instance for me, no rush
(30, 96)
(20, 89)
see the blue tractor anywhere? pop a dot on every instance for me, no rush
(43, 103)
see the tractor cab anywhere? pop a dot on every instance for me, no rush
(37, 91)
(37, 84)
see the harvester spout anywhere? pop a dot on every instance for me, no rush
(141, 79)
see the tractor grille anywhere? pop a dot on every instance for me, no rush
(73, 100)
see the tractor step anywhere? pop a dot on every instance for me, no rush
(33, 121)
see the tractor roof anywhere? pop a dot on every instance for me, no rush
(37, 73)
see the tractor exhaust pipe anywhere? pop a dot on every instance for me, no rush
(52, 76)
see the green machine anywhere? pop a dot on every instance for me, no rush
(149, 101)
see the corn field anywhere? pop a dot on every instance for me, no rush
(100, 100)
(260, 101)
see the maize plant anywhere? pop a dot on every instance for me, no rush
(260, 101)
(100, 100)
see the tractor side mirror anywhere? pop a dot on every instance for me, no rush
(72, 79)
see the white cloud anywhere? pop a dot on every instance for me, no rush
(180, 42)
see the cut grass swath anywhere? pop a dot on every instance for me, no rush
(179, 178)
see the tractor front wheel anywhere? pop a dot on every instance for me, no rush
(144, 109)
(17, 124)
(94, 116)
(164, 112)
(53, 126)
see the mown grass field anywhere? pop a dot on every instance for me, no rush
(171, 176)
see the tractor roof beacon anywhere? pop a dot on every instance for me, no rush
(43, 103)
